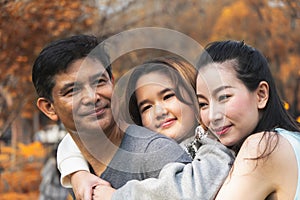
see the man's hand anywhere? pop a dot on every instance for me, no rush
(83, 183)
(103, 192)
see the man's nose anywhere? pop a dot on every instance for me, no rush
(90, 96)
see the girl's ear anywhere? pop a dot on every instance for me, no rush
(46, 106)
(262, 94)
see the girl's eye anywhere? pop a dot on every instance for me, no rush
(145, 108)
(202, 105)
(167, 96)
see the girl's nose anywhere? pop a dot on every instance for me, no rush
(160, 111)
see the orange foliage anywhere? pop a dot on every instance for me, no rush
(34, 149)
(21, 176)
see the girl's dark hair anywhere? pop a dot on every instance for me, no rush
(251, 68)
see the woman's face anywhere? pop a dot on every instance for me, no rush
(160, 109)
(227, 107)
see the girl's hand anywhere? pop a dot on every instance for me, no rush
(83, 183)
(103, 192)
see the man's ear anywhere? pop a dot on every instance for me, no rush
(262, 94)
(46, 106)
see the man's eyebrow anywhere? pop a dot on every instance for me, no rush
(67, 85)
(100, 74)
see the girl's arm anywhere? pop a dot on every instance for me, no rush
(74, 169)
(69, 160)
(200, 179)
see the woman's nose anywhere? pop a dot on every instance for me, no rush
(215, 113)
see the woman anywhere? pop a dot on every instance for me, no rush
(243, 108)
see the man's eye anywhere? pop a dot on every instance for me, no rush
(71, 91)
(100, 82)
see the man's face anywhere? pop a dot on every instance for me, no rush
(82, 97)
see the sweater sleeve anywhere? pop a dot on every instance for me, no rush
(69, 160)
(200, 179)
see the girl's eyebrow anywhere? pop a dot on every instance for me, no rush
(164, 91)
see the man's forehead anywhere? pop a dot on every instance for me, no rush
(86, 66)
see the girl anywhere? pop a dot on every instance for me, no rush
(242, 107)
(161, 96)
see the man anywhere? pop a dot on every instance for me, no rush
(74, 82)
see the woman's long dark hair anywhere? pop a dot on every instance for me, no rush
(252, 68)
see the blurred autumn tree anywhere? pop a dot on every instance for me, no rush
(26, 26)
(273, 27)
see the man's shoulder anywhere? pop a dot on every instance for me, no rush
(138, 138)
(143, 133)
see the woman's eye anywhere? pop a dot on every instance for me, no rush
(223, 97)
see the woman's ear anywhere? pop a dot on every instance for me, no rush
(262, 94)
(46, 106)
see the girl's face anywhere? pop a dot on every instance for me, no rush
(160, 109)
(227, 107)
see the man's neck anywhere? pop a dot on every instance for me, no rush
(99, 148)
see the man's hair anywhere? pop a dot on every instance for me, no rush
(57, 57)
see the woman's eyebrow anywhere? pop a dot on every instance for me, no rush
(223, 87)
(215, 92)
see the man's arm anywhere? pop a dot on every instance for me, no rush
(200, 179)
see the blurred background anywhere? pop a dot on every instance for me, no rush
(28, 139)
